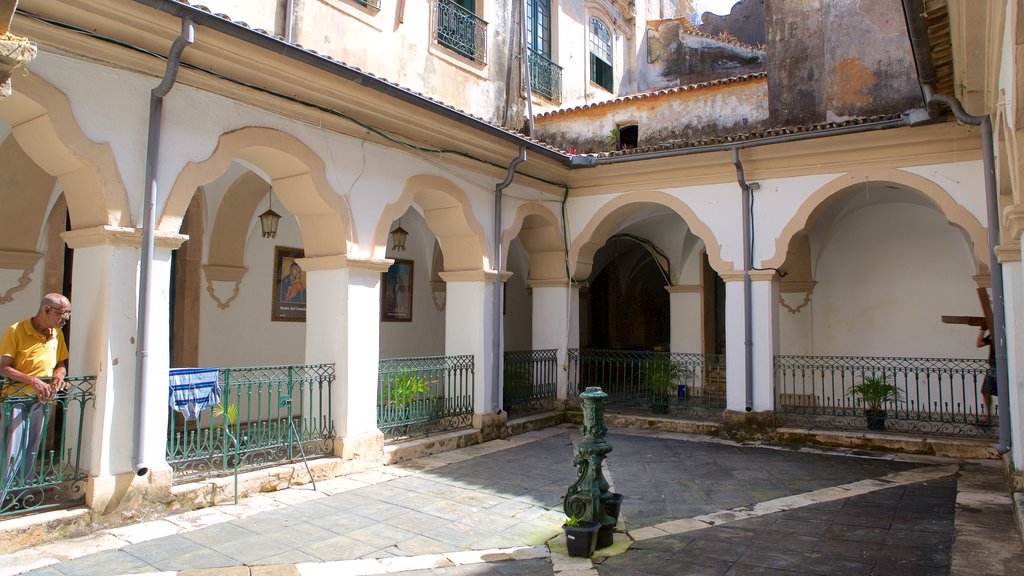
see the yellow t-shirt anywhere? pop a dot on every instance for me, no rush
(34, 354)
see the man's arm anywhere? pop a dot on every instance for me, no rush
(57, 380)
(43, 390)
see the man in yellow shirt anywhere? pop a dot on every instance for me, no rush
(29, 351)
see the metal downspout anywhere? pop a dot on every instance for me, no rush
(748, 314)
(499, 324)
(917, 29)
(156, 100)
(995, 267)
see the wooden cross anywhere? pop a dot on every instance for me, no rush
(982, 322)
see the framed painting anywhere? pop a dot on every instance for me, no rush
(289, 286)
(396, 292)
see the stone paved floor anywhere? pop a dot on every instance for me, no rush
(693, 506)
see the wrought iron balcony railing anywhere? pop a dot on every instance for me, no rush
(48, 472)
(926, 395)
(424, 395)
(530, 381)
(256, 417)
(460, 30)
(545, 77)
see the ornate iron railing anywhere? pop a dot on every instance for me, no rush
(530, 381)
(460, 30)
(680, 384)
(50, 476)
(424, 395)
(265, 416)
(935, 395)
(545, 76)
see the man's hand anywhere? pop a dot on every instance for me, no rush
(44, 392)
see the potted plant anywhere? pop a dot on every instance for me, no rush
(875, 392)
(580, 536)
(662, 379)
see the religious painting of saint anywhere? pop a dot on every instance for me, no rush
(396, 292)
(289, 286)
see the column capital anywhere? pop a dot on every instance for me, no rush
(473, 276)
(17, 260)
(550, 283)
(683, 288)
(340, 261)
(1008, 251)
(119, 236)
(983, 280)
(755, 275)
(1013, 221)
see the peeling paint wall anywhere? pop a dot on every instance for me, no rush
(830, 60)
(745, 22)
(677, 56)
(694, 115)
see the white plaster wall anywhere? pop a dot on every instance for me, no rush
(886, 274)
(424, 336)
(518, 307)
(243, 334)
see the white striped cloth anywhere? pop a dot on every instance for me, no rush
(193, 390)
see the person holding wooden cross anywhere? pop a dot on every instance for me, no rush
(988, 386)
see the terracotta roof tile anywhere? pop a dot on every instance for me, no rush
(656, 93)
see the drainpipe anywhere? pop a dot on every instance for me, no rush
(498, 324)
(748, 314)
(913, 10)
(499, 288)
(156, 101)
(289, 21)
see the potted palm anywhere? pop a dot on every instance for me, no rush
(875, 392)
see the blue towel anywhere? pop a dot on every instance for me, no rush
(193, 390)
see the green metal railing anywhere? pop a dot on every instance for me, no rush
(424, 395)
(375, 4)
(545, 76)
(460, 30)
(936, 395)
(530, 381)
(52, 476)
(267, 415)
(680, 384)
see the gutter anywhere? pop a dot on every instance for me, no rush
(156, 102)
(346, 72)
(918, 31)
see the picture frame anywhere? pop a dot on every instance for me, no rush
(396, 292)
(289, 291)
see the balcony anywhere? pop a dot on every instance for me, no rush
(461, 31)
(545, 77)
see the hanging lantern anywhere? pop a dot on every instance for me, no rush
(398, 236)
(269, 219)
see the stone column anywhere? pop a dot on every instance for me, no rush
(344, 292)
(103, 334)
(685, 317)
(1013, 296)
(765, 337)
(556, 324)
(468, 331)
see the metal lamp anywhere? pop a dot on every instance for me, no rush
(398, 236)
(269, 219)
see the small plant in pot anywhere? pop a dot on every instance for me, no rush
(875, 392)
(580, 536)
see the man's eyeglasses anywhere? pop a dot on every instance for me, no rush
(63, 313)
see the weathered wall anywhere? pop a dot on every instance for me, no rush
(678, 55)
(745, 22)
(865, 68)
(687, 115)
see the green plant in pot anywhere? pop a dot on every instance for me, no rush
(661, 379)
(875, 392)
(408, 391)
(580, 536)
